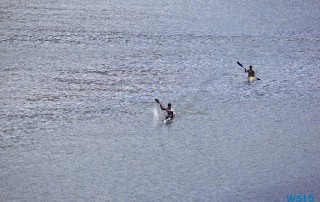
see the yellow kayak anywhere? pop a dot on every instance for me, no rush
(250, 79)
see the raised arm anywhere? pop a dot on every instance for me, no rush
(162, 107)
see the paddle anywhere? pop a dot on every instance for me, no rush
(246, 69)
(158, 101)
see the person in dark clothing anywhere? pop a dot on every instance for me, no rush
(169, 110)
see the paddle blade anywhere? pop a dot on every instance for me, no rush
(157, 100)
(258, 79)
(239, 64)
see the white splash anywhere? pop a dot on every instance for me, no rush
(155, 113)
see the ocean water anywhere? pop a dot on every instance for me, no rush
(78, 120)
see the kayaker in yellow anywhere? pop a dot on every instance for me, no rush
(251, 72)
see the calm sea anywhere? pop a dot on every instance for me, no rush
(78, 120)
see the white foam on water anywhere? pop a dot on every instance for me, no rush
(155, 117)
(155, 113)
